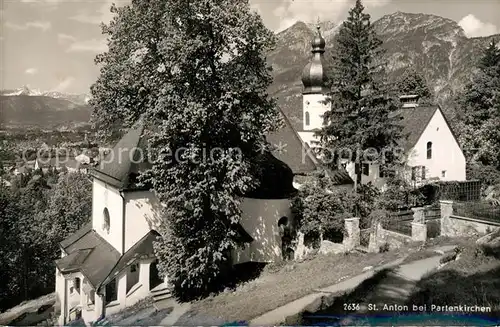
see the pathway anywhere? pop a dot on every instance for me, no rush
(394, 289)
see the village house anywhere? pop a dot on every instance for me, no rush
(109, 264)
(430, 146)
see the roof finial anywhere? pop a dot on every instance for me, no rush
(318, 23)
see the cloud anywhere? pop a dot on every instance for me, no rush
(64, 84)
(93, 45)
(31, 71)
(102, 15)
(473, 27)
(43, 25)
(62, 38)
(255, 6)
(310, 11)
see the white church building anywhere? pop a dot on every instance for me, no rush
(109, 264)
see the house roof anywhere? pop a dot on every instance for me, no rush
(415, 121)
(88, 253)
(288, 147)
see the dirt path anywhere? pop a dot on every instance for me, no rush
(393, 285)
(385, 293)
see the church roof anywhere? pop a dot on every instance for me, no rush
(88, 253)
(122, 164)
(76, 235)
(288, 147)
(142, 249)
(339, 177)
(313, 75)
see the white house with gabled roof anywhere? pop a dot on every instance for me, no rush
(430, 147)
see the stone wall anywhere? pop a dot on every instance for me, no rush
(350, 242)
(453, 226)
(381, 236)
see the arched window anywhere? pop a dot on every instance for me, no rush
(307, 118)
(283, 221)
(429, 150)
(106, 221)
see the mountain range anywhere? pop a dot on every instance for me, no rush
(25, 107)
(76, 98)
(437, 47)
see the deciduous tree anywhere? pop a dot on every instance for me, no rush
(480, 111)
(412, 82)
(197, 72)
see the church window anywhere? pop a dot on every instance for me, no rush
(307, 118)
(429, 150)
(365, 169)
(381, 172)
(106, 220)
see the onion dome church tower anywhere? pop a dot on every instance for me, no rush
(315, 91)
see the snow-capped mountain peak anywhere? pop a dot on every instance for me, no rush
(27, 91)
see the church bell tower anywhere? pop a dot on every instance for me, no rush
(315, 91)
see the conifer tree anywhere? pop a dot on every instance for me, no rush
(361, 101)
(197, 71)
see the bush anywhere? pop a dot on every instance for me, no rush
(321, 210)
(398, 195)
(384, 247)
(488, 175)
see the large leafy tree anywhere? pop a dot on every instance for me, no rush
(480, 111)
(33, 220)
(69, 206)
(412, 82)
(361, 101)
(197, 72)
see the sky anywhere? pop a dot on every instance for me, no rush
(51, 44)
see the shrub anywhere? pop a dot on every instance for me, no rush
(384, 247)
(320, 209)
(488, 175)
(399, 194)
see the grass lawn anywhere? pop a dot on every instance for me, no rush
(279, 285)
(427, 252)
(472, 279)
